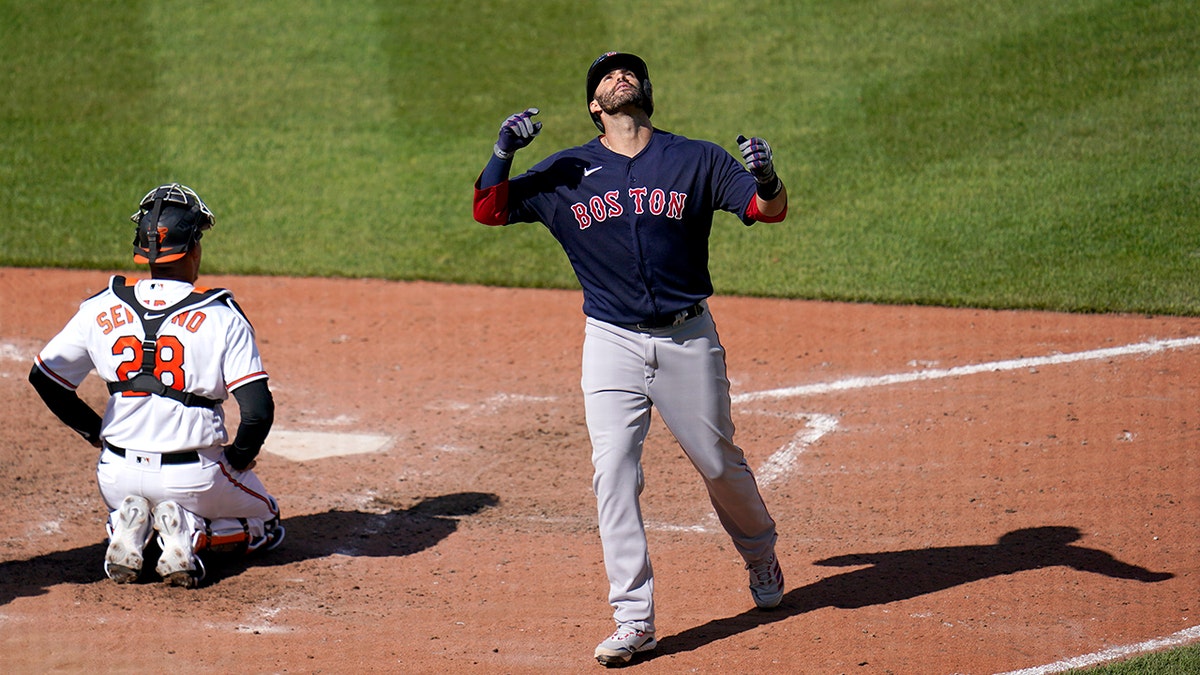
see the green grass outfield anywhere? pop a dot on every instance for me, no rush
(1009, 154)
(1016, 154)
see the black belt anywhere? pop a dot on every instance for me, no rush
(185, 457)
(668, 321)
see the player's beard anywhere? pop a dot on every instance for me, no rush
(613, 100)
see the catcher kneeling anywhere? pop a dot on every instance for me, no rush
(170, 352)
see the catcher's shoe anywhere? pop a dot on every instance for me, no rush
(178, 565)
(269, 541)
(620, 647)
(766, 582)
(273, 533)
(274, 538)
(128, 533)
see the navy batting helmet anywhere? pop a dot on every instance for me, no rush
(604, 64)
(170, 220)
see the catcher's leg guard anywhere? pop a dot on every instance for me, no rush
(241, 535)
(225, 536)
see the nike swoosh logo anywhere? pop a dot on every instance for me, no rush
(155, 316)
(591, 170)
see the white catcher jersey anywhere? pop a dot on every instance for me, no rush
(206, 348)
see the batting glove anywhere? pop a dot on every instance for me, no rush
(761, 164)
(517, 132)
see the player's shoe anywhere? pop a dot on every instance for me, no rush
(275, 537)
(275, 531)
(620, 647)
(128, 533)
(179, 565)
(269, 541)
(766, 582)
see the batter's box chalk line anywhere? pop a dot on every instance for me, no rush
(775, 469)
(780, 463)
(13, 352)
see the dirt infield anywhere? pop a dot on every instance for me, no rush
(957, 491)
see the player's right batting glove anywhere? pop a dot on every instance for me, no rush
(517, 132)
(760, 163)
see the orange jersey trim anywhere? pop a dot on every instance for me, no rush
(242, 380)
(53, 375)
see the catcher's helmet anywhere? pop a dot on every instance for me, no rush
(170, 220)
(604, 64)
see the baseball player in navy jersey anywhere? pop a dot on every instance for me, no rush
(632, 209)
(170, 353)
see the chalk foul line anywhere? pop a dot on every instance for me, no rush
(1149, 347)
(1183, 637)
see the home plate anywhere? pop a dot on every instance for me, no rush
(300, 446)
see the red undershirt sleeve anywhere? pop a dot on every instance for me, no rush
(753, 213)
(491, 204)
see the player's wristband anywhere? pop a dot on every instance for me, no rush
(771, 189)
(501, 154)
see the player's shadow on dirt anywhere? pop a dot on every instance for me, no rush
(890, 576)
(399, 532)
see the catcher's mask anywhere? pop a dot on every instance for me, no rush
(606, 63)
(170, 220)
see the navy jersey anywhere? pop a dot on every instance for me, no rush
(634, 229)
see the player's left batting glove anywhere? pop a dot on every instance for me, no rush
(761, 164)
(240, 459)
(517, 132)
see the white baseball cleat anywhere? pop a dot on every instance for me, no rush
(128, 533)
(620, 647)
(179, 565)
(766, 582)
